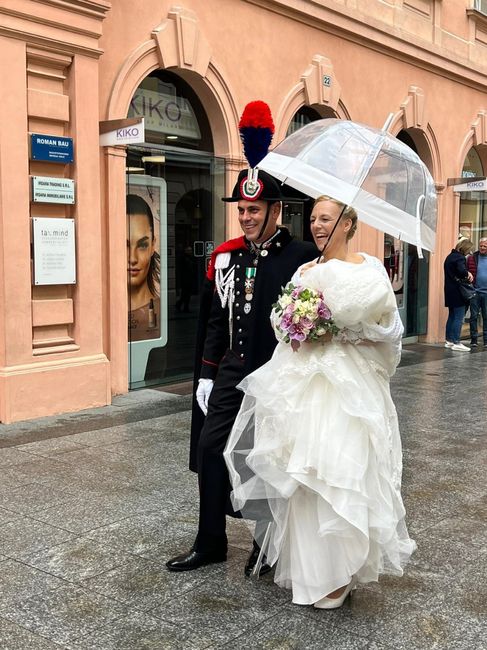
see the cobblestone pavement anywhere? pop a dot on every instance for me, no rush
(93, 503)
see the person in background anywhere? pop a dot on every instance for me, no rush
(477, 265)
(455, 269)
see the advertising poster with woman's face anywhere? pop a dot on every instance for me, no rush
(143, 266)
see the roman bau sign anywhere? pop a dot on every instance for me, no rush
(51, 148)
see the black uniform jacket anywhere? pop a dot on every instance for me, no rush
(253, 338)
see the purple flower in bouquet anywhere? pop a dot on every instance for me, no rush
(301, 314)
(286, 321)
(296, 333)
(306, 322)
(323, 311)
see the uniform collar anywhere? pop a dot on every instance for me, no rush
(278, 240)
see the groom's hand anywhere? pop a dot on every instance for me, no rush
(203, 392)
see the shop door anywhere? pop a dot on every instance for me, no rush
(183, 191)
(409, 278)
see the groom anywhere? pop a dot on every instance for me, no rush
(244, 279)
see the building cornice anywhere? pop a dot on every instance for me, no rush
(35, 23)
(95, 8)
(373, 34)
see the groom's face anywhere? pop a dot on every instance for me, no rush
(251, 216)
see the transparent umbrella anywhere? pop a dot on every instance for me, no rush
(380, 176)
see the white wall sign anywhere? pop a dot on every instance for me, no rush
(125, 134)
(47, 189)
(471, 186)
(54, 251)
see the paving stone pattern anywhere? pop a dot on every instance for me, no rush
(93, 503)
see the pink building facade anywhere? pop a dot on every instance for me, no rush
(189, 70)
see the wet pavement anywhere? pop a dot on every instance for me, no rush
(93, 503)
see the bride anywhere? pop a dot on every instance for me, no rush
(315, 449)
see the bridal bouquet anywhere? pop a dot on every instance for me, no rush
(301, 314)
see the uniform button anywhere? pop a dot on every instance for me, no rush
(237, 279)
(240, 330)
(238, 317)
(241, 356)
(240, 254)
(237, 304)
(238, 266)
(238, 293)
(240, 342)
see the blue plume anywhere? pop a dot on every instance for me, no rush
(256, 142)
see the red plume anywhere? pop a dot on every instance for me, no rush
(258, 115)
(256, 130)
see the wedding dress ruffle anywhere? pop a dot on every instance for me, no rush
(316, 449)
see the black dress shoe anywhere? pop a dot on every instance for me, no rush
(194, 560)
(252, 561)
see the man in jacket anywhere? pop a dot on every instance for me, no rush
(244, 279)
(477, 265)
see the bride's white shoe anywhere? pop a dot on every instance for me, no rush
(334, 603)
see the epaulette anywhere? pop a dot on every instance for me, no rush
(226, 247)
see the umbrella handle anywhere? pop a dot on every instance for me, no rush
(419, 207)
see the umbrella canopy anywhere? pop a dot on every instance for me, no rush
(374, 172)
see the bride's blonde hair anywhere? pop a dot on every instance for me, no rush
(348, 213)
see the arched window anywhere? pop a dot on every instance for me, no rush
(473, 213)
(174, 221)
(303, 116)
(173, 113)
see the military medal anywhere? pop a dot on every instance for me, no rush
(250, 273)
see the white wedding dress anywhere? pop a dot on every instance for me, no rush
(315, 448)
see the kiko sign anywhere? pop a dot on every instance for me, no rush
(127, 131)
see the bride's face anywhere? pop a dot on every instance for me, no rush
(323, 219)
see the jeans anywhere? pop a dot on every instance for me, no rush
(478, 304)
(454, 324)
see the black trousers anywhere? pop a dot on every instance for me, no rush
(213, 480)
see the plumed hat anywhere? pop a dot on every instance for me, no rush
(256, 130)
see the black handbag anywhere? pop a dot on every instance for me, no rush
(467, 290)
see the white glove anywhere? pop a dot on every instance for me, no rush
(205, 386)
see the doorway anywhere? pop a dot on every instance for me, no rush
(408, 273)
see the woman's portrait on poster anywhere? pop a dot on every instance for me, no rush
(143, 271)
